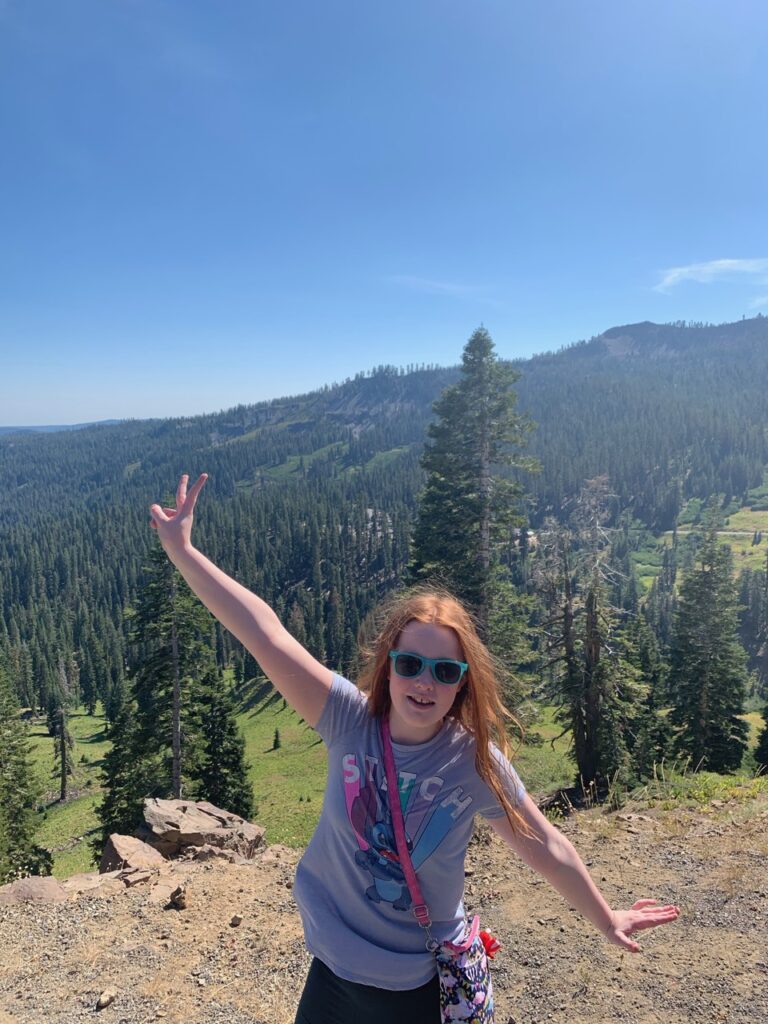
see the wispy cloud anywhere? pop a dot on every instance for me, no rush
(449, 288)
(759, 303)
(704, 273)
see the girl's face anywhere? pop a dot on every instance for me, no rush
(419, 704)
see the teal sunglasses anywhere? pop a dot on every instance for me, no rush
(444, 670)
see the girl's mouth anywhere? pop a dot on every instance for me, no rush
(421, 702)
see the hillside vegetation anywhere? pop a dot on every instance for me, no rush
(311, 503)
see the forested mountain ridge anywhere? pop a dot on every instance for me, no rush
(667, 412)
(311, 498)
(98, 465)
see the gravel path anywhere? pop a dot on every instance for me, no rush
(193, 967)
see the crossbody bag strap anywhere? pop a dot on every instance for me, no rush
(420, 909)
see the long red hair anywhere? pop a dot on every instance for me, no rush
(478, 706)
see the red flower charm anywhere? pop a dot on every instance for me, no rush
(492, 945)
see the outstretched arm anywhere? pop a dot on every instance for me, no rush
(299, 677)
(552, 856)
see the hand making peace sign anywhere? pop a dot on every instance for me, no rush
(174, 525)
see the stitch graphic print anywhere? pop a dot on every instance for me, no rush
(429, 815)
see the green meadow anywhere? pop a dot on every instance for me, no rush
(738, 531)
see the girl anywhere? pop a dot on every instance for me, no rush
(431, 679)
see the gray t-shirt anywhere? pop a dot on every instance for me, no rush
(350, 888)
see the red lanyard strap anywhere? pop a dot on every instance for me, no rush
(420, 909)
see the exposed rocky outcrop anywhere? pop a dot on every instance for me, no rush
(33, 890)
(128, 851)
(173, 826)
(175, 830)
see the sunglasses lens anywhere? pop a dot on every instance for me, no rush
(408, 665)
(448, 672)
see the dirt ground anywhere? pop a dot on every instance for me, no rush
(193, 967)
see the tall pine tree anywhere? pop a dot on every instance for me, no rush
(223, 778)
(707, 678)
(176, 735)
(591, 679)
(466, 509)
(19, 854)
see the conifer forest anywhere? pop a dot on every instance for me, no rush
(603, 510)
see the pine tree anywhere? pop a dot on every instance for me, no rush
(18, 852)
(63, 741)
(175, 735)
(596, 687)
(129, 774)
(708, 664)
(652, 737)
(223, 778)
(466, 508)
(172, 640)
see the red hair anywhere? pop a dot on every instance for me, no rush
(478, 706)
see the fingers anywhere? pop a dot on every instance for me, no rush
(197, 486)
(158, 515)
(188, 499)
(185, 501)
(647, 914)
(661, 915)
(181, 491)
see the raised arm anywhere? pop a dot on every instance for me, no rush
(299, 677)
(551, 855)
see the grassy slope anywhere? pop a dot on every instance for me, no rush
(737, 534)
(66, 828)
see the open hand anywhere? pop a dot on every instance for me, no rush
(643, 914)
(174, 525)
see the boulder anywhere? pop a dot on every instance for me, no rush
(35, 888)
(171, 826)
(160, 891)
(209, 852)
(94, 883)
(128, 852)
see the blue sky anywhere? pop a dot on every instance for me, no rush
(208, 203)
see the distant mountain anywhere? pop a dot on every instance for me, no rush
(666, 411)
(50, 429)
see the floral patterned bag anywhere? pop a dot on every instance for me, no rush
(466, 992)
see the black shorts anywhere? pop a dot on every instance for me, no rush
(328, 999)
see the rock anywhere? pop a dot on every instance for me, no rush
(94, 883)
(34, 889)
(107, 997)
(173, 825)
(161, 890)
(236, 921)
(134, 877)
(179, 898)
(209, 852)
(128, 852)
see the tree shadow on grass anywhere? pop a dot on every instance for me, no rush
(257, 697)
